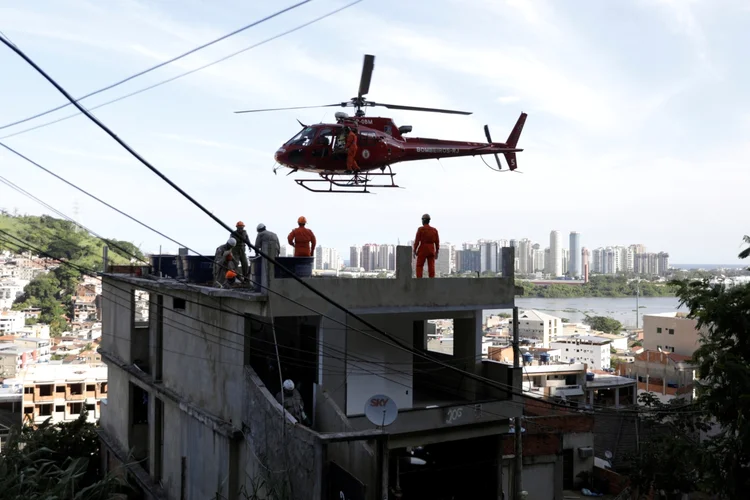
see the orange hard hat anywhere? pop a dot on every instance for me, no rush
(231, 275)
(302, 220)
(240, 224)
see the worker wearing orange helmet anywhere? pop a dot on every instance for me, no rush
(426, 247)
(351, 150)
(302, 239)
(238, 251)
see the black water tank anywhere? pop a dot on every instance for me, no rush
(198, 269)
(164, 265)
(301, 266)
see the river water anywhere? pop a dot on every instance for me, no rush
(621, 309)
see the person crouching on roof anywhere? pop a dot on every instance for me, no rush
(223, 262)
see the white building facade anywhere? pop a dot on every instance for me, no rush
(594, 351)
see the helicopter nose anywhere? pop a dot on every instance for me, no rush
(280, 155)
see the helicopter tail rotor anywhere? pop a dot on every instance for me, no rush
(489, 140)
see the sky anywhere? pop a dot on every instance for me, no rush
(638, 128)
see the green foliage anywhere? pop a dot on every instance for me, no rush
(53, 292)
(603, 324)
(677, 461)
(598, 286)
(58, 461)
(670, 459)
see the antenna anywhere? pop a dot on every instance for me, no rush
(381, 410)
(76, 211)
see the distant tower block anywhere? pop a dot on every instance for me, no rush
(76, 212)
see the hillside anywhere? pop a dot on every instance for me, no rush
(58, 238)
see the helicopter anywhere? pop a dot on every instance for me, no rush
(320, 148)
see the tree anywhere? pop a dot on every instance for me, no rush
(59, 461)
(603, 324)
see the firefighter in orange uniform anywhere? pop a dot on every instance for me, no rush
(426, 247)
(302, 239)
(351, 150)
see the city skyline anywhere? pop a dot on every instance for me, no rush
(583, 94)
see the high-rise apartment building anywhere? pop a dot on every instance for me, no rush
(444, 262)
(547, 261)
(355, 256)
(537, 258)
(488, 251)
(574, 263)
(585, 264)
(326, 258)
(565, 261)
(555, 251)
(386, 257)
(369, 257)
(524, 256)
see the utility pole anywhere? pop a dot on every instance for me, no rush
(518, 459)
(637, 295)
(104, 258)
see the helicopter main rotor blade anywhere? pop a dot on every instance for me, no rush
(417, 108)
(284, 109)
(364, 82)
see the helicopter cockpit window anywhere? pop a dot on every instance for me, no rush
(324, 137)
(303, 138)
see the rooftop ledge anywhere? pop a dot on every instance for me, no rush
(404, 294)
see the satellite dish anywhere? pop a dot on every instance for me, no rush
(381, 410)
(608, 455)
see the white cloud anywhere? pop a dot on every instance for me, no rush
(508, 99)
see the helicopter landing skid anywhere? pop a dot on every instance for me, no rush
(358, 183)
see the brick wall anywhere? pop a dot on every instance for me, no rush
(534, 445)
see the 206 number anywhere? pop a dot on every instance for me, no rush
(453, 415)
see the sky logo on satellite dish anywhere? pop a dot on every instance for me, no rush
(381, 410)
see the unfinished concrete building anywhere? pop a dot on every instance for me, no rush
(192, 410)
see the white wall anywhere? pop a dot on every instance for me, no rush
(596, 356)
(380, 374)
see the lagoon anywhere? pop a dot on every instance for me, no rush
(622, 309)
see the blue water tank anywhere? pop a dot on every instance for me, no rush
(198, 269)
(527, 357)
(164, 265)
(589, 377)
(301, 266)
(544, 357)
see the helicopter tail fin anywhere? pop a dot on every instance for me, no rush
(511, 159)
(515, 134)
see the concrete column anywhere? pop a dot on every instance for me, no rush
(467, 347)
(404, 270)
(331, 344)
(591, 397)
(617, 397)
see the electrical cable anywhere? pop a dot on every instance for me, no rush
(69, 219)
(161, 64)
(533, 395)
(567, 408)
(199, 68)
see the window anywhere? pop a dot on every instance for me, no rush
(45, 410)
(303, 138)
(59, 408)
(178, 303)
(104, 388)
(658, 329)
(28, 390)
(90, 387)
(90, 407)
(671, 331)
(45, 390)
(60, 389)
(75, 408)
(76, 390)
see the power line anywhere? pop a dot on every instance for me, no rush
(199, 68)
(505, 387)
(69, 219)
(164, 63)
